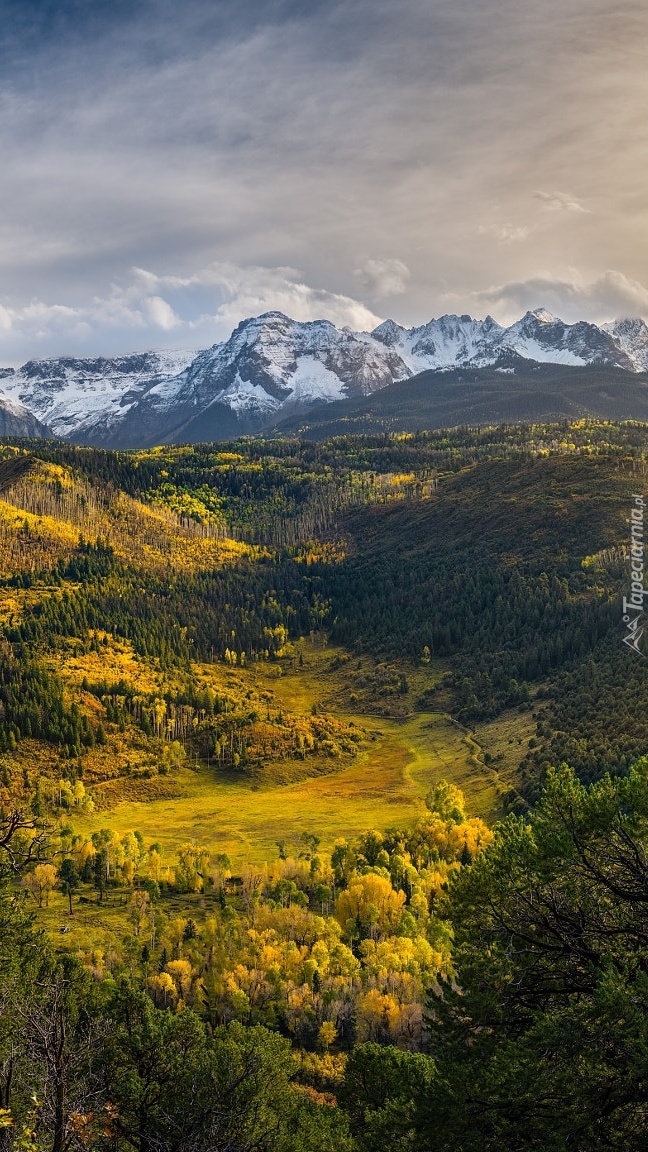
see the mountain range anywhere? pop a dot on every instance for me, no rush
(273, 370)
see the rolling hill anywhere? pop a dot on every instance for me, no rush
(482, 396)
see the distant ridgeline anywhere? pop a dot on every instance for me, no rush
(498, 552)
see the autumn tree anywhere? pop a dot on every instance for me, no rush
(369, 906)
(40, 882)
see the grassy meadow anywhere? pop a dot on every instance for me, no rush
(399, 761)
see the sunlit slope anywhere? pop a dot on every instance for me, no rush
(45, 508)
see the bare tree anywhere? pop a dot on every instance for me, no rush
(23, 840)
(60, 1039)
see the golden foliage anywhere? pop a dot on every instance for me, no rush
(371, 903)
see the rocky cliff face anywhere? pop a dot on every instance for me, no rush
(16, 420)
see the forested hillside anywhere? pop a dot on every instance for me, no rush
(517, 389)
(288, 857)
(500, 553)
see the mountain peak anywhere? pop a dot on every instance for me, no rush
(389, 332)
(627, 324)
(263, 319)
(273, 314)
(631, 336)
(543, 315)
(272, 321)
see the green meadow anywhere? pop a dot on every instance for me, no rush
(398, 763)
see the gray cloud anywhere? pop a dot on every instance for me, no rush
(383, 278)
(279, 136)
(506, 233)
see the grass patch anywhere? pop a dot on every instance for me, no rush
(506, 741)
(385, 787)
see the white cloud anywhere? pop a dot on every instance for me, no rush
(5, 319)
(255, 290)
(607, 297)
(40, 329)
(160, 313)
(561, 202)
(384, 277)
(243, 292)
(142, 311)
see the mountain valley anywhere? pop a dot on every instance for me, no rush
(284, 734)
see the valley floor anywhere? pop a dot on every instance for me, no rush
(399, 762)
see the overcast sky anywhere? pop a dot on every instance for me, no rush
(169, 168)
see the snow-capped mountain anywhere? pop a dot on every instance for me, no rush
(86, 400)
(460, 342)
(272, 367)
(270, 364)
(631, 337)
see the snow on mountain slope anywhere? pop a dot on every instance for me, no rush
(460, 341)
(541, 336)
(631, 336)
(312, 381)
(74, 395)
(272, 365)
(447, 342)
(276, 353)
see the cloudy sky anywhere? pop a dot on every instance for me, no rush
(168, 169)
